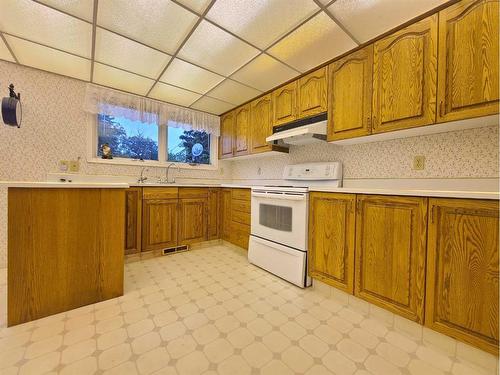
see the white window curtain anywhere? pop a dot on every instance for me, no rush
(101, 100)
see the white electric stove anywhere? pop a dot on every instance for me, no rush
(279, 221)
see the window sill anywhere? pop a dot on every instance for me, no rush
(150, 163)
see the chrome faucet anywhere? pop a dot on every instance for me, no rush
(166, 173)
(142, 179)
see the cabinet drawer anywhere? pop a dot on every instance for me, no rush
(240, 217)
(239, 205)
(243, 194)
(160, 193)
(240, 234)
(193, 192)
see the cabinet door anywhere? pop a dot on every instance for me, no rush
(133, 212)
(404, 77)
(462, 271)
(242, 130)
(226, 214)
(192, 220)
(159, 224)
(331, 239)
(468, 60)
(350, 95)
(312, 98)
(226, 136)
(390, 253)
(261, 120)
(214, 213)
(285, 104)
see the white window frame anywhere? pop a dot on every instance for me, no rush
(162, 152)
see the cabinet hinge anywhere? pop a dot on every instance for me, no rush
(369, 122)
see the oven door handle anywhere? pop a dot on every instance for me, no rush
(288, 197)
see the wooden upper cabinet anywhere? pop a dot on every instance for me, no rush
(350, 95)
(214, 213)
(285, 104)
(261, 122)
(312, 97)
(241, 130)
(159, 223)
(404, 77)
(331, 239)
(391, 237)
(468, 60)
(133, 213)
(192, 220)
(462, 271)
(226, 135)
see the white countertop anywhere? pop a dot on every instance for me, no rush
(58, 185)
(411, 192)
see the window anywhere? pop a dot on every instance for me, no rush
(132, 141)
(188, 146)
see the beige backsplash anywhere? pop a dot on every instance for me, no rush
(55, 127)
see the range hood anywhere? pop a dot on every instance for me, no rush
(301, 132)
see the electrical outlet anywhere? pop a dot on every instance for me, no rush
(63, 165)
(74, 166)
(418, 162)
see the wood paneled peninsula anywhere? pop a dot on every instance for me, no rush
(65, 247)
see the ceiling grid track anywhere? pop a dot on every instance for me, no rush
(94, 32)
(334, 19)
(9, 48)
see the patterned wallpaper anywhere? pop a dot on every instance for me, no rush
(55, 128)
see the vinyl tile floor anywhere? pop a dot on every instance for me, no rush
(208, 311)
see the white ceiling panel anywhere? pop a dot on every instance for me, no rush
(38, 23)
(160, 24)
(368, 19)
(51, 60)
(261, 22)
(173, 94)
(315, 42)
(80, 8)
(198, 6)
(191, 77)
(4, 52)
(119, 79)
(264, 73)
(217, 50)
(124, 53)
(210, 105)
(233, 92)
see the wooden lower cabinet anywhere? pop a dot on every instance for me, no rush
(133, 217)
(192, 220)
(331, 239)
(159, 223)
(226, 214)
(214, 213)
(462, 271)
(391, 236)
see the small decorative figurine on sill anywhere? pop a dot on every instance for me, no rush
(106, 151)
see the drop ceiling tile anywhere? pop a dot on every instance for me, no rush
(261, 22)
(173, 94)
(217, 50)
(42, 24)
(315, 42)
(115, 50)
(4, 52)
(119, 79)
(233, 92)
(210, 105)
(191, 77)
(51, 60)
(80, 8)
(160, 24)
(264, 73)
(368, 19)
(198, 6)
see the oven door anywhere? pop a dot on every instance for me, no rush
(280, 217)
